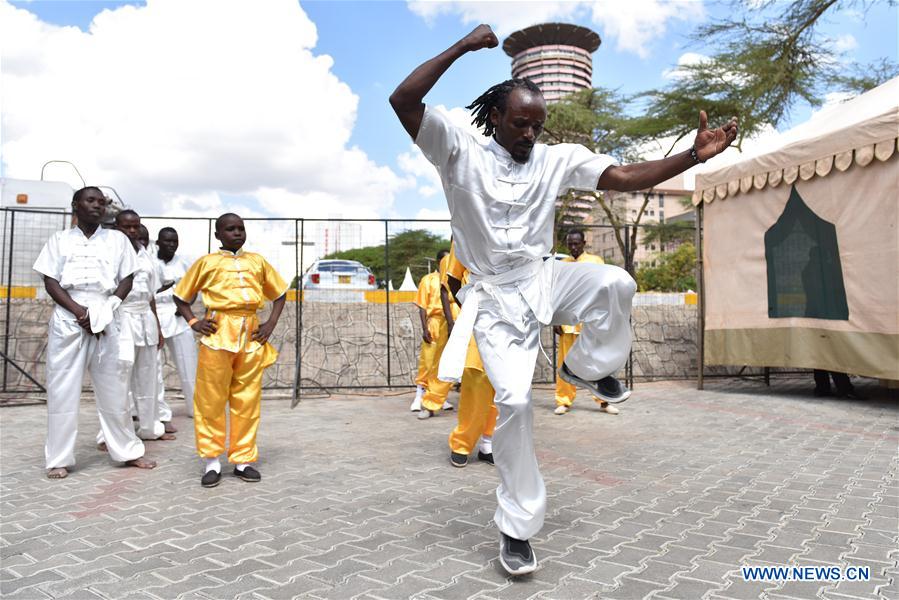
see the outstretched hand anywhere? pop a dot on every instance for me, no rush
(711, 142)
(481, 37)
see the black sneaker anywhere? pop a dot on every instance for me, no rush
(516, 556)
(487, 458)
(607, 388)
(248, 474)
(458, 460)
(211, 479)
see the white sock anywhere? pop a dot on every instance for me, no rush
(419, 392)
(213, 464)
(486, 444)
(446, 406)
(242, 466)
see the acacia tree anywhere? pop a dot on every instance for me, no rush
(765, 62)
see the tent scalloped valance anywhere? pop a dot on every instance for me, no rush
(862, 156)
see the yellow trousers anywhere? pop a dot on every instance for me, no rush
(477, 413)
(428, 362)
(228, 381)
(565, 392)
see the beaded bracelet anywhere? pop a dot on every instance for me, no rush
(695, 156)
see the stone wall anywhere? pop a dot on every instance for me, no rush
(346, 345)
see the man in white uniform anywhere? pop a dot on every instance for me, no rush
(141, 329)
(179, 338)
(501, 198)
(163, 410)
(87, 271)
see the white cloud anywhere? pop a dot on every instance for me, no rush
(504, 16)
(176, 103)
(844, 43)
(436, 214)
(686, 59)
(633, 24)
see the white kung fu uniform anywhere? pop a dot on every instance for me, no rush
(179, 338)
(140, 329)
(502, 222)
(89, 269)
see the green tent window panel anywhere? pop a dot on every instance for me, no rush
(805, 278)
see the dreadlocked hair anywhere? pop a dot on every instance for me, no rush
(496, 97)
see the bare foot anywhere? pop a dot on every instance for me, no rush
(141, 463)
(102, 447)
(169, 428)
(168, 436)
(58, 473)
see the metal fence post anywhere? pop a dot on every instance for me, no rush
(208, 236)
(12, 230)
(700, 309)
(298, 311)
(629, 263)
(387, 290)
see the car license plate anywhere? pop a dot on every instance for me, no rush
(344, 278)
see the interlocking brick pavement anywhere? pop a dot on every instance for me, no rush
(667, 500)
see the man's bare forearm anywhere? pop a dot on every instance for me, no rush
(61, 296)
(644, 175)
(407, 98)
(277, 307)
(423, 316)
(124, 287)
(184, 309)
(447, 307)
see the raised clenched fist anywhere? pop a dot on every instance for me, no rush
(481, 37)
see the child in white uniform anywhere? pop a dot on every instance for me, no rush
(87, 271)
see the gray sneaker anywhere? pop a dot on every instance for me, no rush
(607, 388)
(516, 556)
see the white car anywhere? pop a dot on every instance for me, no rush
(334, 274)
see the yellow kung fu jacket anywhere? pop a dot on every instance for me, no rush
(234, 287)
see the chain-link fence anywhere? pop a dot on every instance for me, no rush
(350, 321)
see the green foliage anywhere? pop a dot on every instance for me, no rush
(676, 272)
(596, 118)
(669, 233)
(765, 61)
(407, 249)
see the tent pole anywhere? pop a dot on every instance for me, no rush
(700, 316)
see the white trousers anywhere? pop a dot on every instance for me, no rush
(599, 296)
(143, 387)
(141, 397)
(183, 350)
(71, 351)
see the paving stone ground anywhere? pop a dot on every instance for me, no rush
(666, 500)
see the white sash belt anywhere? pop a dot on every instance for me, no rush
(452, 361)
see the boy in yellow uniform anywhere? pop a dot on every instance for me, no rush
(434, 336)
(565, 392)
(234, 349)
(477, 413)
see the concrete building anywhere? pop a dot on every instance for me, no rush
(666, 203)
(558, 57)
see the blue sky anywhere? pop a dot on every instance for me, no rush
(375, 44)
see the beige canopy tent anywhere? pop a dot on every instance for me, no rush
(800, 255)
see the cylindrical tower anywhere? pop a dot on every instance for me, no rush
(558, 57)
